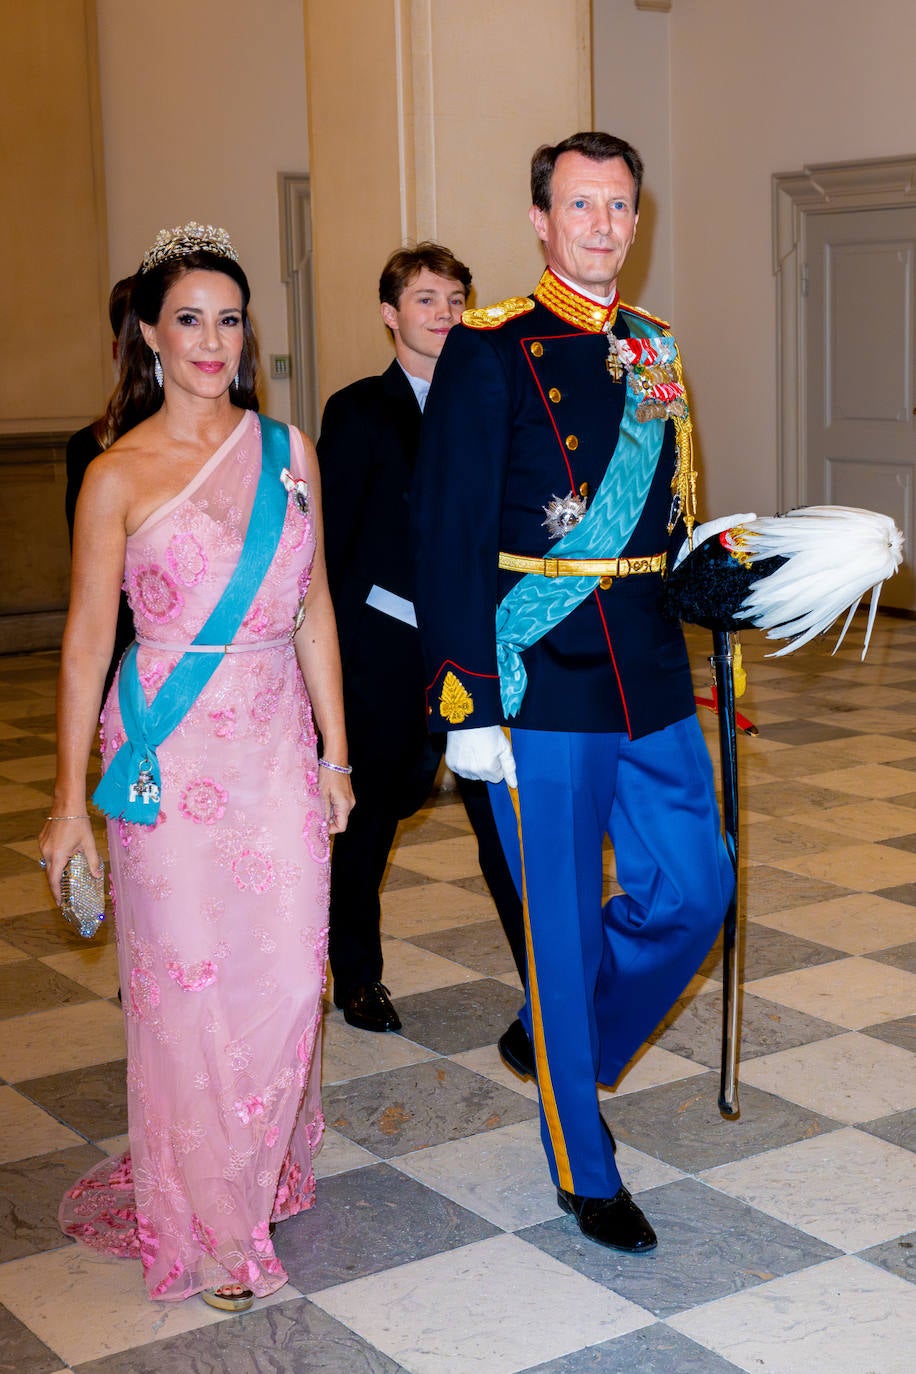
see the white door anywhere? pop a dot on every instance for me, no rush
(859, 340)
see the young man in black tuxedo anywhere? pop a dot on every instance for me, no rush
(370, 433)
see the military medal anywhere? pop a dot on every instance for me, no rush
(563, 512)
(612, 361)
(144, 790)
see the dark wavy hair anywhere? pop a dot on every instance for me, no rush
(137, 394)
(594, 144)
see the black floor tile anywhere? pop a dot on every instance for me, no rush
(92, 1100)
(652, 1350)
(30, 1195)
(462, 1016)
(897, 1256)
(21, 1351)
(293, 1337)
(368, 1220)
(901, 1032)
(28, 986)
(480, 946)
(680, 1123)
(693, 1028)
(420, 1105)
(709, 1246)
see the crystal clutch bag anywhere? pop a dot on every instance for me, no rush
(82, 897)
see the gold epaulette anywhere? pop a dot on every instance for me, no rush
(494, 316)
(644, 315)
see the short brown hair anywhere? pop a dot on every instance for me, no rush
(600, 147)
(407, 263)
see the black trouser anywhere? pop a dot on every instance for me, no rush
(359, 859)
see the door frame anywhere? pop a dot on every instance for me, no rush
(874, 184)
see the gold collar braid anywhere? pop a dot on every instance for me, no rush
(576, 310)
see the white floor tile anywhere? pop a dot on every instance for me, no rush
(501, 1175)
(428, 907)
(849, 1077)
(347, 1052)
(848, 992)
(842, 1317)
(858, 924)
(84, 1305)
(495, 1307)
(845, 1187)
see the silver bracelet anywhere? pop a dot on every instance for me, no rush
(83, 817)
(335, 767)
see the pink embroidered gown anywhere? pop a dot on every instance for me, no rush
(221, 913)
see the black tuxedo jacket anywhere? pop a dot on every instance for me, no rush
(367, 448)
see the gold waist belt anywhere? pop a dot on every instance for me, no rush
(604, 568)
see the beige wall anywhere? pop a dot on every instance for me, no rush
(757, 89)
(202, 106)
(423, 117)
(54, 347)
(631, 61)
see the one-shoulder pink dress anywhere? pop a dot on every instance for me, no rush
(220, 910)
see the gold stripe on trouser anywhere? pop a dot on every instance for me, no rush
(545, 1086)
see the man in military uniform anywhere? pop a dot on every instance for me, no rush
(554, 483)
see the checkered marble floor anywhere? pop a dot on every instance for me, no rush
(436, 1246)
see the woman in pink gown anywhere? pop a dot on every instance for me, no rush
(221, 904)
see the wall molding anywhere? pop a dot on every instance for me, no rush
(821, 188)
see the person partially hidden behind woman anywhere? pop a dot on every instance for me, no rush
(219, 807)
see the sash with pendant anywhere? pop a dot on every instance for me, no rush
(130, 786)
(536, 604)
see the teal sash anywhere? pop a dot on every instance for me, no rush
(537, 603)
(131, 783)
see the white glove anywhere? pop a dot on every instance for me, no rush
(710, 527)
(483, 753)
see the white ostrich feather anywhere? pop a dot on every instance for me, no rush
(835, 555)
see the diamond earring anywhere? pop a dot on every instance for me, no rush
(235, 382)
(157, 369)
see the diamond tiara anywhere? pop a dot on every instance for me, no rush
(188, 238)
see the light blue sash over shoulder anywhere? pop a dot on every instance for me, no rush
(131, 783)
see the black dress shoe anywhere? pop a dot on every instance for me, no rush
(517, 1053)
(612, 1221)
(369, 1008)
(516, 1050)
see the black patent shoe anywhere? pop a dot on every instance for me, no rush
(369, 1008)
(517, 1053)
(612, 1221)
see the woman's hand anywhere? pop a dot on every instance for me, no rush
(61, 838)
(336, 794)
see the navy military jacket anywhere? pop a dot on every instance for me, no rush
(519, 413)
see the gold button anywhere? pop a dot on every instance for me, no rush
(537, 350)
(572, 442)
(605, 583)
(554, 395)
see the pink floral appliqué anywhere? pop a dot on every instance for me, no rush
(204, 1235)
(187, 559)
(257, 619)
(144, 993)
(203, 801)
(264, 706)
(271, 1136)
(264, 1248)
(149, 1241)
(254, 870)
(248, 1108)
(193, 977)
(154, 592)
(224, 722)
(316, 837)
(152, 678)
